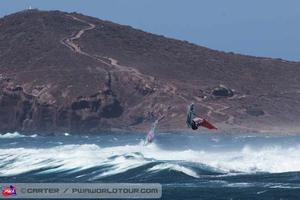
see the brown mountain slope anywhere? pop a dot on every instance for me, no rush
(66, 72)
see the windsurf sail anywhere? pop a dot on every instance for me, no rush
(189, 118)
(207, 124)
(150, 135)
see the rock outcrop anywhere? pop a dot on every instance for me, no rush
(222, 91)
(66, 72)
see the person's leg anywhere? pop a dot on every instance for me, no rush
(194, 125)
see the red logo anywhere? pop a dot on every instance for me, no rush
(9, 191)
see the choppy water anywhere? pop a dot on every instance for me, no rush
(189, 166)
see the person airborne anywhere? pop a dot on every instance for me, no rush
(194, 121)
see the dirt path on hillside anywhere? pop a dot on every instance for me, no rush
(114, 66)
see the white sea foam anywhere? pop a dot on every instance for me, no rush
(175, 167)
(274, 159)
(15, 135)
(11, 135)
(33, 136)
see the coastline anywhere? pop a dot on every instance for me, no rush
(116, 131)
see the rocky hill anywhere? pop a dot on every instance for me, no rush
(66, 72)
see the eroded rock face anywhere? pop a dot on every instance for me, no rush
(66, 72)
(33, 112)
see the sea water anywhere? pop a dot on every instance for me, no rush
(189, 166)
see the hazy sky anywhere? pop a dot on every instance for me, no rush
(257, 27)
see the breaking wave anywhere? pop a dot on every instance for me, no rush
(152, 159)
(15, 135)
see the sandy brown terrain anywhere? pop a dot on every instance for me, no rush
(66, 72)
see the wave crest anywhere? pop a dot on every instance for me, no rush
(120, 159)
(15, 135)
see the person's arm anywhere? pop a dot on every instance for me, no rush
(196, 115)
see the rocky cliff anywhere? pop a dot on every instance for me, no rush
(66, 72)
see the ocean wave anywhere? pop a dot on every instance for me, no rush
(119, 159)
(174, 167)
(15, 135)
